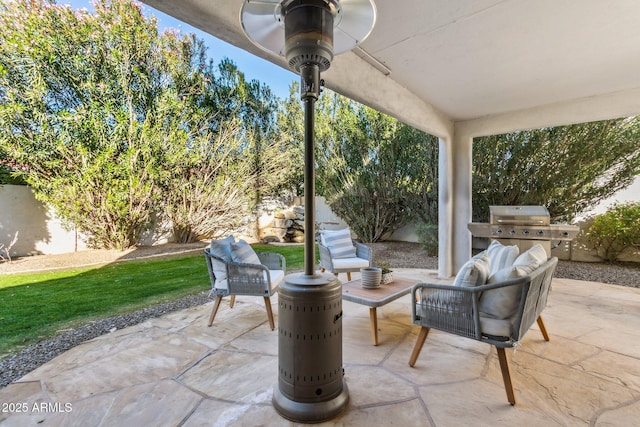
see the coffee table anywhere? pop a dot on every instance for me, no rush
(374, 298)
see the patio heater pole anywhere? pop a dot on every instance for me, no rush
(309, 91)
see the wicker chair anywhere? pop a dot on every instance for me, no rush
(454, 309)
(363, 256)
(246, 279)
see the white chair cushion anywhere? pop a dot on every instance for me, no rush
(350, 263)
(496, 327)
(474, 272)
(220, 271)
(242, 252)
(501, 256)
(221, 248)
(339, 243)
(276, 277)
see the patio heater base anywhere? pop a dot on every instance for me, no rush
(311, 386)
(315, 412)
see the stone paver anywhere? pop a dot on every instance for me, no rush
(174, 370)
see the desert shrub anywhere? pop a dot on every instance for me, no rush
(616, 231)
(428, 237)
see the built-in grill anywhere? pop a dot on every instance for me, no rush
(523, 226)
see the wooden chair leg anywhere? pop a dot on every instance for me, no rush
(543, 329)
(233, 301)
(348, 276)
(216, 305)
(373, 324)
(418, 347)
(267, 303)
(506, 375)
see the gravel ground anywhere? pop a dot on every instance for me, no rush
(397, 254)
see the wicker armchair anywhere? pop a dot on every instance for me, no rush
(246, 279)
(455, 309)
(345, 265)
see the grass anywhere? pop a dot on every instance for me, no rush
(36, 306)
(294, 254)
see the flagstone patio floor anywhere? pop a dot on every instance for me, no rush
(176, 371)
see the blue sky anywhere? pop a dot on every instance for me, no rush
(277, 78)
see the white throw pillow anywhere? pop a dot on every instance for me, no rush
(222, 248)
(339, 243)
(501, 256)
(242, 252)
(536, 254)
(502, 303)
(474, 272)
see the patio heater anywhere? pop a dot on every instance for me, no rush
(311, 386)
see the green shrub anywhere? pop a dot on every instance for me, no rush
(8, 176)
(428, 238)
(616, 231)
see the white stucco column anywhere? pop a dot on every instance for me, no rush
(454, 203)
(461, 201)
(445, 208)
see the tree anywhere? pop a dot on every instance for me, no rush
(77, 106)
(114, 124)
(567, 169)
(206, 177)
(373, 170)
(290, 125)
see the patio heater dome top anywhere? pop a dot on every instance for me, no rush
(307, 31)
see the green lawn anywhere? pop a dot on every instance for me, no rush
(36, 306)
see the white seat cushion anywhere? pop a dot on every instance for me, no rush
(350, 263)
(496, 327)
(276, 277)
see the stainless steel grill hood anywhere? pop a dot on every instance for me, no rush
(523, 226)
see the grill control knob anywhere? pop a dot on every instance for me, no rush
(512, 232)
(525, 232)
(540, 233)
(565, 234)
(499, 231)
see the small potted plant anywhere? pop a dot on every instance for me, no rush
(387, 273)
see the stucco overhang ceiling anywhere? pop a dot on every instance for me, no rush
(436, 64)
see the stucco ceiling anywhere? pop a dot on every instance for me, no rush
(438, 63)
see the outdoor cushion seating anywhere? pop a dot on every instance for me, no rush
(236, 269)
(498, 312)
(340, 254)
